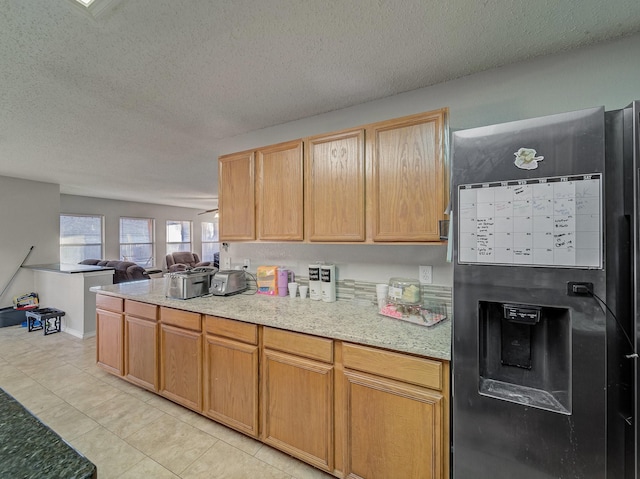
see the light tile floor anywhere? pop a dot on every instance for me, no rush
(127, 432)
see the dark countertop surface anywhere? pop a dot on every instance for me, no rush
(68, 268)
(30, 450)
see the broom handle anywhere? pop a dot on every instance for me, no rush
(14, 274)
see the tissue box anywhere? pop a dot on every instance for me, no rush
(266, 277)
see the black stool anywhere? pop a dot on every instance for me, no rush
(43, 316)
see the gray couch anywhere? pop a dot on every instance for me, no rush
(184, 260)
(125, 271)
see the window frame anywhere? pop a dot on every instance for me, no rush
(151, 261)
(75, 245)
(206, 242)
(170, 245)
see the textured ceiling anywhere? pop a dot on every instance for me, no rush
(132, 105)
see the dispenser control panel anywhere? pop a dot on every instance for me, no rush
(521, 313)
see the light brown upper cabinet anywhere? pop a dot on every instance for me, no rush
(335, 180)
(407, 190)
(386, 182)
(236, 196)
(279, 189)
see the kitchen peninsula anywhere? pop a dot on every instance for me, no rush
(372, 392)
(66, 287)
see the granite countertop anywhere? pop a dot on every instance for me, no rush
(344, 320)
(30, 450)
(68, 268)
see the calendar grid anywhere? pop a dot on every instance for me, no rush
(554, 221)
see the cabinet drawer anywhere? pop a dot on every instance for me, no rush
(141, 310)
(411, 369)
(229, 328)
(181, 319)
(110, 303)
(311, 347)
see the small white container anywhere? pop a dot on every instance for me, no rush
(328, 281)
(315, 288)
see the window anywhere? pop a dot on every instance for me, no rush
(178, 236)
(80, 238)
(136, 241)
(210, 245)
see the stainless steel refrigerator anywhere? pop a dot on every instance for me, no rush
(545, 253)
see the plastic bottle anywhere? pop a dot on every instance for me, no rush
(283, 280)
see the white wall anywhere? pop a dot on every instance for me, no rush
(112, 210)
(606, 74)
(371, 263)
(28, 217)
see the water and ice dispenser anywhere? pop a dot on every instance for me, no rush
(525, 354)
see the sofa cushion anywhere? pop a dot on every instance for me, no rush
(124, 271)
(185, 257)
(184, 260)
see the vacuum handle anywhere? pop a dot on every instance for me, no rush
(16, 272)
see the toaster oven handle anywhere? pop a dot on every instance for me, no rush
(205, 269)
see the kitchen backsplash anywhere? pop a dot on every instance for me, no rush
(362, 291)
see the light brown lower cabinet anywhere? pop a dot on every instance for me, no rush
(109, 334)
(181, 357)
(357, 412)
(395, 415)
(231, 357)
(141, 344)
(297, 396)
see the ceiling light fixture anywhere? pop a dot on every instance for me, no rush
(94, 8)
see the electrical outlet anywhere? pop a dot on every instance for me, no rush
(226, 262)
(425, 274)
(246, 263)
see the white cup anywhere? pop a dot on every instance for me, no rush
(293, 289)
(382, 290)
(303, 291)
(382, 300)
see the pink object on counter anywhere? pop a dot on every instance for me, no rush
(283, 281)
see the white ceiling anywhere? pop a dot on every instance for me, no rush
(133, 104)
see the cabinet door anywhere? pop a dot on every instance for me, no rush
(335, 187)
(407, 188)
(181, 366)
(297, 405)
(110, 341)
(231, 383)
(141, 352)
(393, 429)
(280, 192)
(236, 197)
